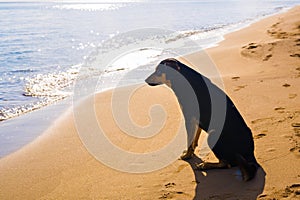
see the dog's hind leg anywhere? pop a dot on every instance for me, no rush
(193, 133)
(247, 168)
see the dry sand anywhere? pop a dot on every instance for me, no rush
(260, 67)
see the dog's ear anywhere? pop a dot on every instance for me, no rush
(171, 62)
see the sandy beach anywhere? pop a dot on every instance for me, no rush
(260, 68)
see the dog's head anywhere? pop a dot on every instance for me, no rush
(164, 72)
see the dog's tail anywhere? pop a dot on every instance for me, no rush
(247, 168)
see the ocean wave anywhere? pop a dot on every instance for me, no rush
(10, 112)
(47, 88)
(52, 84)
(209, 36)
(91, 6)
(134, 59)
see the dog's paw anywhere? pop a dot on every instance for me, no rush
(203, 166)
(248, 169)
(186, 155)
(209, 165)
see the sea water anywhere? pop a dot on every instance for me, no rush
(45, 48)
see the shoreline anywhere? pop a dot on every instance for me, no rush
(57, 165)
(15, 142)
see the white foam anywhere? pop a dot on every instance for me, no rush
(51, 85)
(48, 88)
(135, 59)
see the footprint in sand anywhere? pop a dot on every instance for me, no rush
(296, 188)
(296, 129)
(240, 87)
(290, 192)
(170, 192)
(262, 120)
(296, 138)
(298, 69)
(295, 149)
(262, 51)
(166, 195)
(235, 78)
(292, 96)
(168, 185)
(170, 195)
(282, 35)
(296, 55)
(267, 57)
(251, 46)
(296, 125)
(270, 149)
(277, 32)
(286, 85)
(260, 136)
(279, 109)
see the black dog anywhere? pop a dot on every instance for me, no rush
(233, 143)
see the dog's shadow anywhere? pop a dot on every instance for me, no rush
(226, 183)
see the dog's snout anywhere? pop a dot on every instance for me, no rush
(148, 80)
(151, 80)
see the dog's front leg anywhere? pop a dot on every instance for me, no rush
(193, 133)
(196, 139)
